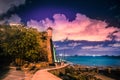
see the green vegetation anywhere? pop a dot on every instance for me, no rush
(22, 44)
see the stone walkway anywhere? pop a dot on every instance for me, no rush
(45, 75)
(14, 74)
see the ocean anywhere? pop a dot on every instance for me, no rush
(113, 61)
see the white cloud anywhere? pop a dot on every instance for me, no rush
(40, 25)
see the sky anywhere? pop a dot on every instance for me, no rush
(87, 48)
(74, 20)
(93, 20)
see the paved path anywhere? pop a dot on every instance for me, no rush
(45, 75)
(14, 74)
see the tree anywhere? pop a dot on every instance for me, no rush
(23, 43)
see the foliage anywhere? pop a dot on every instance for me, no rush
(24, 43)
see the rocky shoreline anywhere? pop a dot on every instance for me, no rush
(80, 72)
(76, 72)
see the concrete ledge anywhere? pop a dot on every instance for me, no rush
(45, 75)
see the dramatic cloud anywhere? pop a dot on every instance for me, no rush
(74, 44)
(82, 28)
(40, 25)
(92, 47)
(5, 5)
(115, 45)
(13, 19)
(63, 48)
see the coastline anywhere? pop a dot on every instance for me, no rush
(77, 72)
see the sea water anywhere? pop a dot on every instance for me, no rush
(94, 60)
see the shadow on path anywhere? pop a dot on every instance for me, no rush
(3, 71)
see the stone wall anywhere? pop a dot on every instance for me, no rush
(58, 71)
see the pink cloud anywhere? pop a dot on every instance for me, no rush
(82, 28)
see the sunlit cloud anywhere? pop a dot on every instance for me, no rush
(81, 28)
